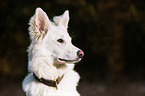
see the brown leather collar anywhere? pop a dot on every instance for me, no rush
(50, 83)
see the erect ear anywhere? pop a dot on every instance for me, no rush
(39, 24)
(62, 20)
(42, 23)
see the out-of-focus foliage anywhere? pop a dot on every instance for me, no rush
(110, 32)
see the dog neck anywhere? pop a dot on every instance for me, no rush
(45, 67)
(50, 83)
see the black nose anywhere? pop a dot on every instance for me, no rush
(80, 54)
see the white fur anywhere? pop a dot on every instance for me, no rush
(44, 53)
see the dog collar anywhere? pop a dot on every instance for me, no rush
(51, 83)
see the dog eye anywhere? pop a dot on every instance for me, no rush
(60, 40)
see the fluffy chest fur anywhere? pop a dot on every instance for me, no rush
(67, 86)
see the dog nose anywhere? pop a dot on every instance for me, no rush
(80, 54)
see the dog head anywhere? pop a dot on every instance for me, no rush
(51, 39)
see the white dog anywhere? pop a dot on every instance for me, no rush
(51, 57)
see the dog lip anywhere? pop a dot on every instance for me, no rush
(65, 60)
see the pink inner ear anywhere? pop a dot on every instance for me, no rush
(41, 25)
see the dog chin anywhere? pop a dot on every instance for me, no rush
(68, 60)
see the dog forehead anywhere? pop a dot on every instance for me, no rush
(60, 32)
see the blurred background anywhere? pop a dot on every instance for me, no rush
(110, 32)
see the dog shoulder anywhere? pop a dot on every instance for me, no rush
(27, 82)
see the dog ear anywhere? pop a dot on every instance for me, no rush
(39, 24)
(62, 20)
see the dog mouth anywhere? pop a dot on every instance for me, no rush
(68, 61)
